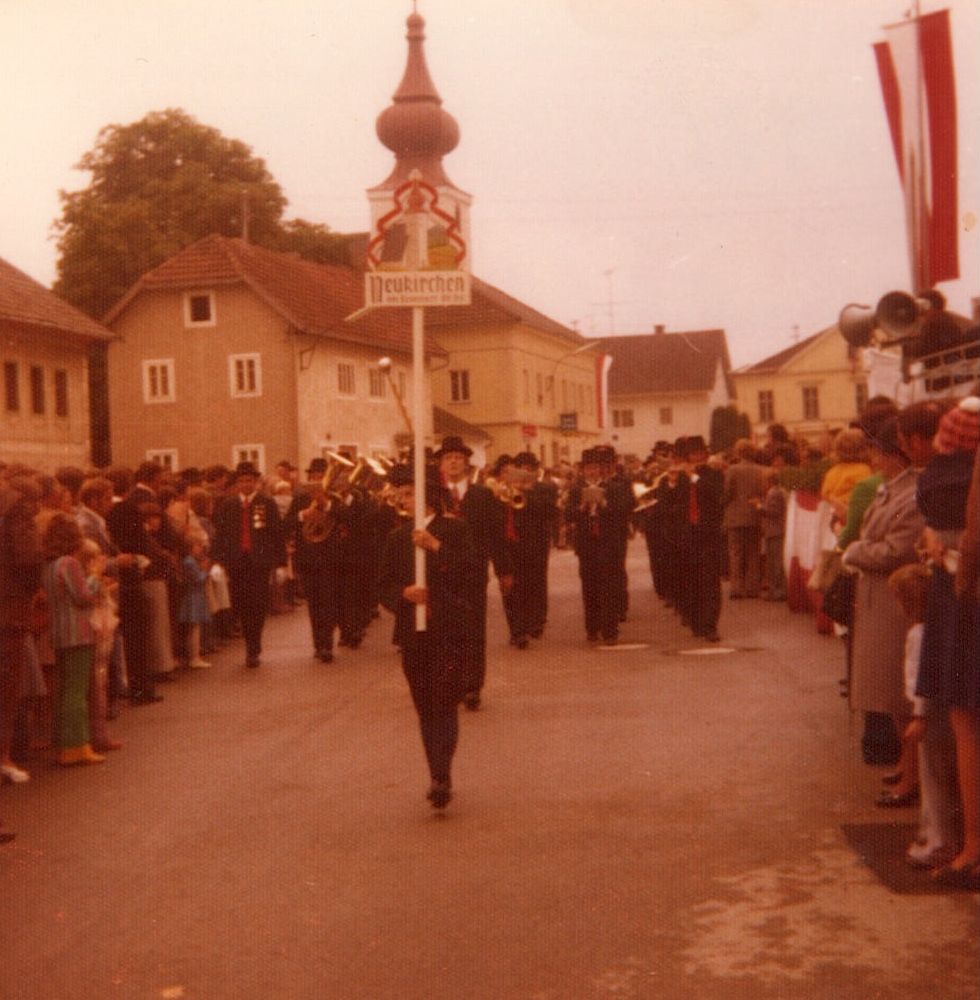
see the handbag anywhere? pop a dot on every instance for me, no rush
(838, 599)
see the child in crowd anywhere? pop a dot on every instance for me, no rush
(104, 620)
(773, 510)
(927, 741)
(194, 612)
(71, 596)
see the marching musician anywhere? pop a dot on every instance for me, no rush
(434, 660)
(485, 516)
(249, 544)
(598, 511)
(316, 526)
(701, 502)
(531, 510)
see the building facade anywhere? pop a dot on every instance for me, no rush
(44, 421)
(229, 352)
(665, 385)
(809, 388)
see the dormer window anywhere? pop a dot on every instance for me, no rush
(199, 309)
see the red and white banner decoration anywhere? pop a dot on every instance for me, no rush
(915, 66)
(603, 363)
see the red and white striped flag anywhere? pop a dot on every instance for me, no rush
(603, 363)
(915, 66)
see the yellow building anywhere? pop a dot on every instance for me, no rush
(44, 419)
(809, 388)
(526, 380)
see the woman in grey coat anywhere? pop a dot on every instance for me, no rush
(890, 532)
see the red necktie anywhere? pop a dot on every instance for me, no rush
(693, 514)
(511, 529)
(246, 539)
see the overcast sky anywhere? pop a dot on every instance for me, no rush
(696, 163)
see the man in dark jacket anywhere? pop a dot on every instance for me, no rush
(485, 517)
(248, 542)
(598, 511)
(433, 658)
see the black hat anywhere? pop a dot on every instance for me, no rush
(247, 469)
(606, 454)
(592, 456)
(696, 443)
(662, 446)
(453, 444)
(317, 467)
(526, 460)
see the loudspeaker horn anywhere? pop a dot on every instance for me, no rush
(898, 314)
(857, 323)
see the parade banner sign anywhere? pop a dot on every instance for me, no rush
(417, 255)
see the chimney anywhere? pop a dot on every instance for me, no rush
(659, 329)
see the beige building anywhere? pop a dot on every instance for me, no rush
(810, 387)
(665, 385)
(46, 343)
(229, 351)
(522, 377)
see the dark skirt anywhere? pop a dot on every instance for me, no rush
(949, 670)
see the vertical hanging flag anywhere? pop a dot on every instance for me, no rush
(603, 363)
(915, 66)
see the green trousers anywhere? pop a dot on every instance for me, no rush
(74, 668)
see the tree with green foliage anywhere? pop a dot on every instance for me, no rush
(727, 427)
(158, 185)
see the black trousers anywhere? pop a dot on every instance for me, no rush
(526, 606)
(602, 591)
(321, 586)
(134, 626)
(700, 584)
(434, 680)
(248, 586)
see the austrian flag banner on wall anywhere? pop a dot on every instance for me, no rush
(915, 66)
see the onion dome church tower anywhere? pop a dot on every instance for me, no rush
(419, 131)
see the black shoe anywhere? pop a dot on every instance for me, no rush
(168, 677)
(324, 655)
(252, 661)
(471, 700)
(520, 641)
(6, 836)
(712, 636)
(440, 794)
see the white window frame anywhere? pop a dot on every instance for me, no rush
(377, 380)
(212, 317)
(168, 365)
(165, 457)
(352, 392)
(234, 360)
(459, 385)
(254, 453)
(812, 392)
(662, 412)
(766, 399)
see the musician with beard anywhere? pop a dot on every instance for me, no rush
(598, 512)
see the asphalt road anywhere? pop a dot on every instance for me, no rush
(651, 822)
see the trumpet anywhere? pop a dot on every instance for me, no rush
(590, 501)
(506, 493)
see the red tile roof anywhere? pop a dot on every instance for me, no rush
(445, 423)
(314, 298)
(28, 303)
(666, 362)
(492, 306)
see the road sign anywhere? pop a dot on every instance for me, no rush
(417, 288)
(567, 422)
(529, 431)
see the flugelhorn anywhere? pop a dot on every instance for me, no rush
(505, 493)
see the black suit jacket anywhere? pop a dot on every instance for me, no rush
(485, 515)
(268, 544)
(453, 576)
